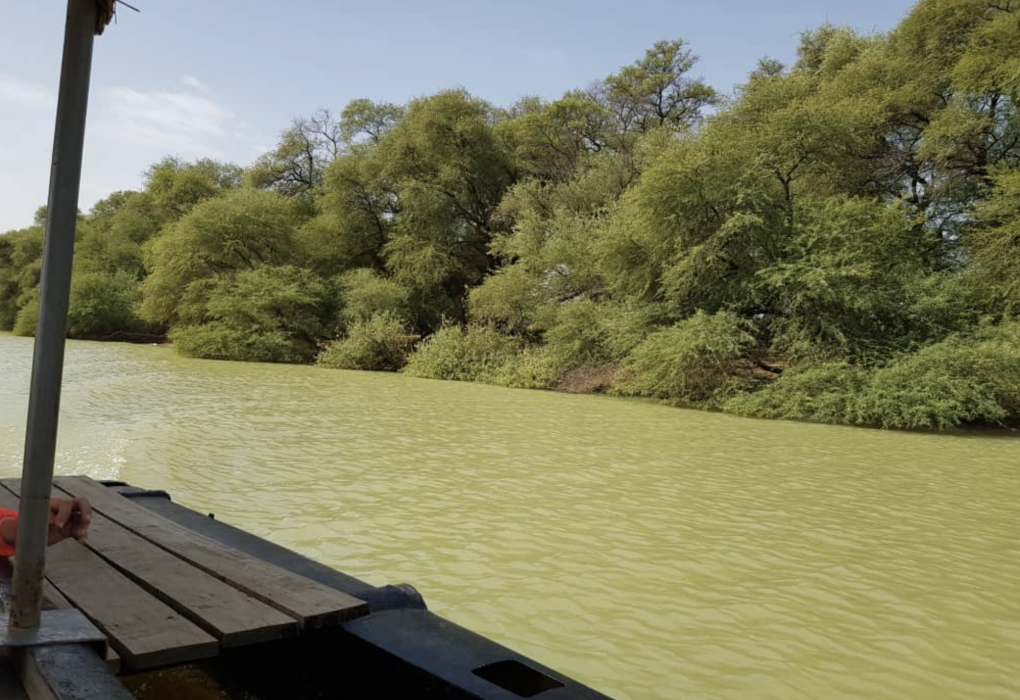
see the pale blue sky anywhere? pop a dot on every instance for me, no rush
(222, 78)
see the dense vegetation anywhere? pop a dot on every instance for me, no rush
(838, 240)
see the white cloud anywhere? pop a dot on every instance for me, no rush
(180, 122)
(18, 93)
(196, 84)
(26, 136)
(128, 130)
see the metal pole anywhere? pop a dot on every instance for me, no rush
(48, 361)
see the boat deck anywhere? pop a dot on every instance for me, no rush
(165, 595)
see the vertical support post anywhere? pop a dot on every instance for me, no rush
(48, 360)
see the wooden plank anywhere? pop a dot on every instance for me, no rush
(225, 612)
(312, 604)
(145, 631)
(54, 599)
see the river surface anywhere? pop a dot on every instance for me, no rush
(650, 552)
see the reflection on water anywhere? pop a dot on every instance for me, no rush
(647, 551)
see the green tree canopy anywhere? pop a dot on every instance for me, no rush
(241, 230)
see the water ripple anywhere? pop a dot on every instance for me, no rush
(650, 552)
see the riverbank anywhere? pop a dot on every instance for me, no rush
(715, 363)
(963, 383)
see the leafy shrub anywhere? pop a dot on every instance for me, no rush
(824, 393)
(843, 282)
(959, 380)
(508, 299)
(217, 341)
(532, 368)
(586, 333)
(380, 343)
(365, 293)
(626, 325)
(103, 304)
(268, 314)
(238, 232)
(28, 315)
(946, 384)
(577, 336)
(695, 360)
(475, 353)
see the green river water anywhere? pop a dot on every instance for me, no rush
(649, 552)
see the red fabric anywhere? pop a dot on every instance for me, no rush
(6, 550)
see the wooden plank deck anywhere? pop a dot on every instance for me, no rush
(312, 604)
(144, 630)
(166, 595)
(233, 618)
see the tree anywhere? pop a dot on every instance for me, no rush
(946, 105)
(177, 186)
(840, 287)
(355, 210)
(20, 265)
(550, 141)
(448, 173)
(111, 238)
(365, 293)
(995, 242)
(241, 230)
(363, 119)
(657, 90)
(295, 167)
(103, 305)
(264, 314)
(509, 299)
